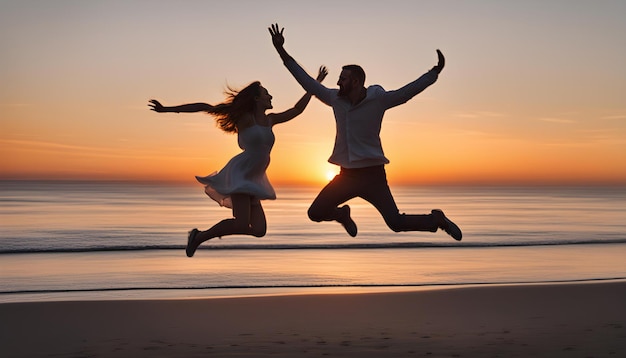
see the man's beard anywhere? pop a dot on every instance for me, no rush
(343, 91)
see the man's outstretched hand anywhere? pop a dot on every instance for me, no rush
(279, 40)
(441, 63)
(277, 35)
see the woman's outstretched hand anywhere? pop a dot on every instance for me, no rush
(277, 35)
(322, 73)
(155, 106)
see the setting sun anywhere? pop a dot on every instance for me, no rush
(330, 174)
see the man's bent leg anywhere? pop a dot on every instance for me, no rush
(447, 225)
(325, 206)
(379, 195)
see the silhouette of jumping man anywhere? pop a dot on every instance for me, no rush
(358, 150)
(242, 183)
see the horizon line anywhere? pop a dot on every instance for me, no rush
(476, 183)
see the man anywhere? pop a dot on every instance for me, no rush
(358, 150)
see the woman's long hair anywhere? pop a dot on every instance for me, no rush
(238, 103)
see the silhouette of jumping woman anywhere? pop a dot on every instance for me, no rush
(242, 183)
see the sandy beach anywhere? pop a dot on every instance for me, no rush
(556, 320)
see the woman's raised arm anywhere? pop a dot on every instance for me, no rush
(299, 107)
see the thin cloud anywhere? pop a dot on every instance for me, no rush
(480, 114)
(15, 104)
(556, 120)
(615, 117)
(603, 136)
(85, 151)
(46, 145)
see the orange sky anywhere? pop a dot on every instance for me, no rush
(532, 93)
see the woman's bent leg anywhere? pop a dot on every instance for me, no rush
(249, 219)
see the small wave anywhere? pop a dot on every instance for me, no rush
(326, 246)
(260, 287)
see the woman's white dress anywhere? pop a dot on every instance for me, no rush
(244, 173)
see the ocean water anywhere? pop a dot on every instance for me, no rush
(110, 240)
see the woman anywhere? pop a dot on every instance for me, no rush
(242, 183)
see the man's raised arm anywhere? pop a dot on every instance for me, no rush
(307, 82)
(278, 40)
(402, 95)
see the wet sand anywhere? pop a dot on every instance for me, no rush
(555, 320)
